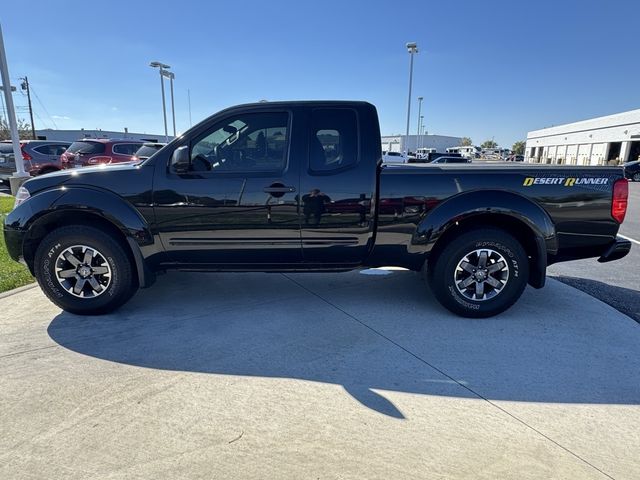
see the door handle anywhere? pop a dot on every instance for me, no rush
(279, 189)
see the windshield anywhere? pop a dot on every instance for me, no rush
(86, 147)
(394, 154)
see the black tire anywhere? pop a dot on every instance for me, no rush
(117, 283)
(447, 277)
(636, 177)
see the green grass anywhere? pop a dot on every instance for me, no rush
(12, 274)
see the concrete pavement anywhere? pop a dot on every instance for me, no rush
(615, 283)
(317, 376)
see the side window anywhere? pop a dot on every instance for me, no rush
(51, 149)
(125, 148)
(252, 142)
(334, 139)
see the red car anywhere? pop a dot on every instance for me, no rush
(99, 151)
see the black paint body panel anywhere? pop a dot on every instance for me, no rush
(373, 214)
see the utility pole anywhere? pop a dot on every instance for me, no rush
(25, 86)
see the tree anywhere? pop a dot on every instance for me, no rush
(518, 148)
(489, 144)
(24, 130)
(466, 142)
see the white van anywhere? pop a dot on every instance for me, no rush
(394, 157)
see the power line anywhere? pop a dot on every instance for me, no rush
(43, 107)
(42, 122)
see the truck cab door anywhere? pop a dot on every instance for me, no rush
(337, 197)
(229, 197)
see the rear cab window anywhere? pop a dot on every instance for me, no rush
(333, 144)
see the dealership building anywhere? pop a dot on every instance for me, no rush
(73, 135)
(402, 143)
(609, 140)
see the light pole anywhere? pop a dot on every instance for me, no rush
(421, 131)
(171, 76)
(162, 67)
(412, 47)
(419, 112)
(419, 116)
(18, 178)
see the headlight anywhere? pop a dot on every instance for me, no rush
(22, 196)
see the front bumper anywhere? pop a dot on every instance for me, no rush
(618, 249)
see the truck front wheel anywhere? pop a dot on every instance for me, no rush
(479, 274)
(84, 270)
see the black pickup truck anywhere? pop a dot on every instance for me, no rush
(300, 186)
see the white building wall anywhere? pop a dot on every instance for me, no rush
(587, 142)
(73, 135)
(396, 143)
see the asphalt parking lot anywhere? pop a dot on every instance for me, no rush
(615, 283)
(317, 376)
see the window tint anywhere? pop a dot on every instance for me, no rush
(334, 139)
(126, 148)
(6, 148)
(147, 150)
(86, 147)
(51, 149)
(254, 142)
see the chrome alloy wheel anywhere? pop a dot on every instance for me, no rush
(481, 274)
(83, 271)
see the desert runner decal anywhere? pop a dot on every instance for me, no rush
(565, 181)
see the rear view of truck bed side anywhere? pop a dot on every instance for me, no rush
(469, 220)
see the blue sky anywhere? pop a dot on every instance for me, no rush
(485, 68)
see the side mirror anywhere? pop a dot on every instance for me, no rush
(180, 159)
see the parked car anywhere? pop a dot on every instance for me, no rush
(431, 157)
(515, 158)
(395, 157)
(297, 186)
(40, 157)
(146, 150)
(632, 170)
(99, 151)
(449, 159)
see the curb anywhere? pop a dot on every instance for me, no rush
(18, 290)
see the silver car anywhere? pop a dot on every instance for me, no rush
(40, 157)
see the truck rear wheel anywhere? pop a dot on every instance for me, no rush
(479, 274)
(83, 270)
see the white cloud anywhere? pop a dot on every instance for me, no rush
(60, 117)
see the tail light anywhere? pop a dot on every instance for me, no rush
(25, 155)
(620, 200)
(99, 160)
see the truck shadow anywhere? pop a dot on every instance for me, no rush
(370, 334)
